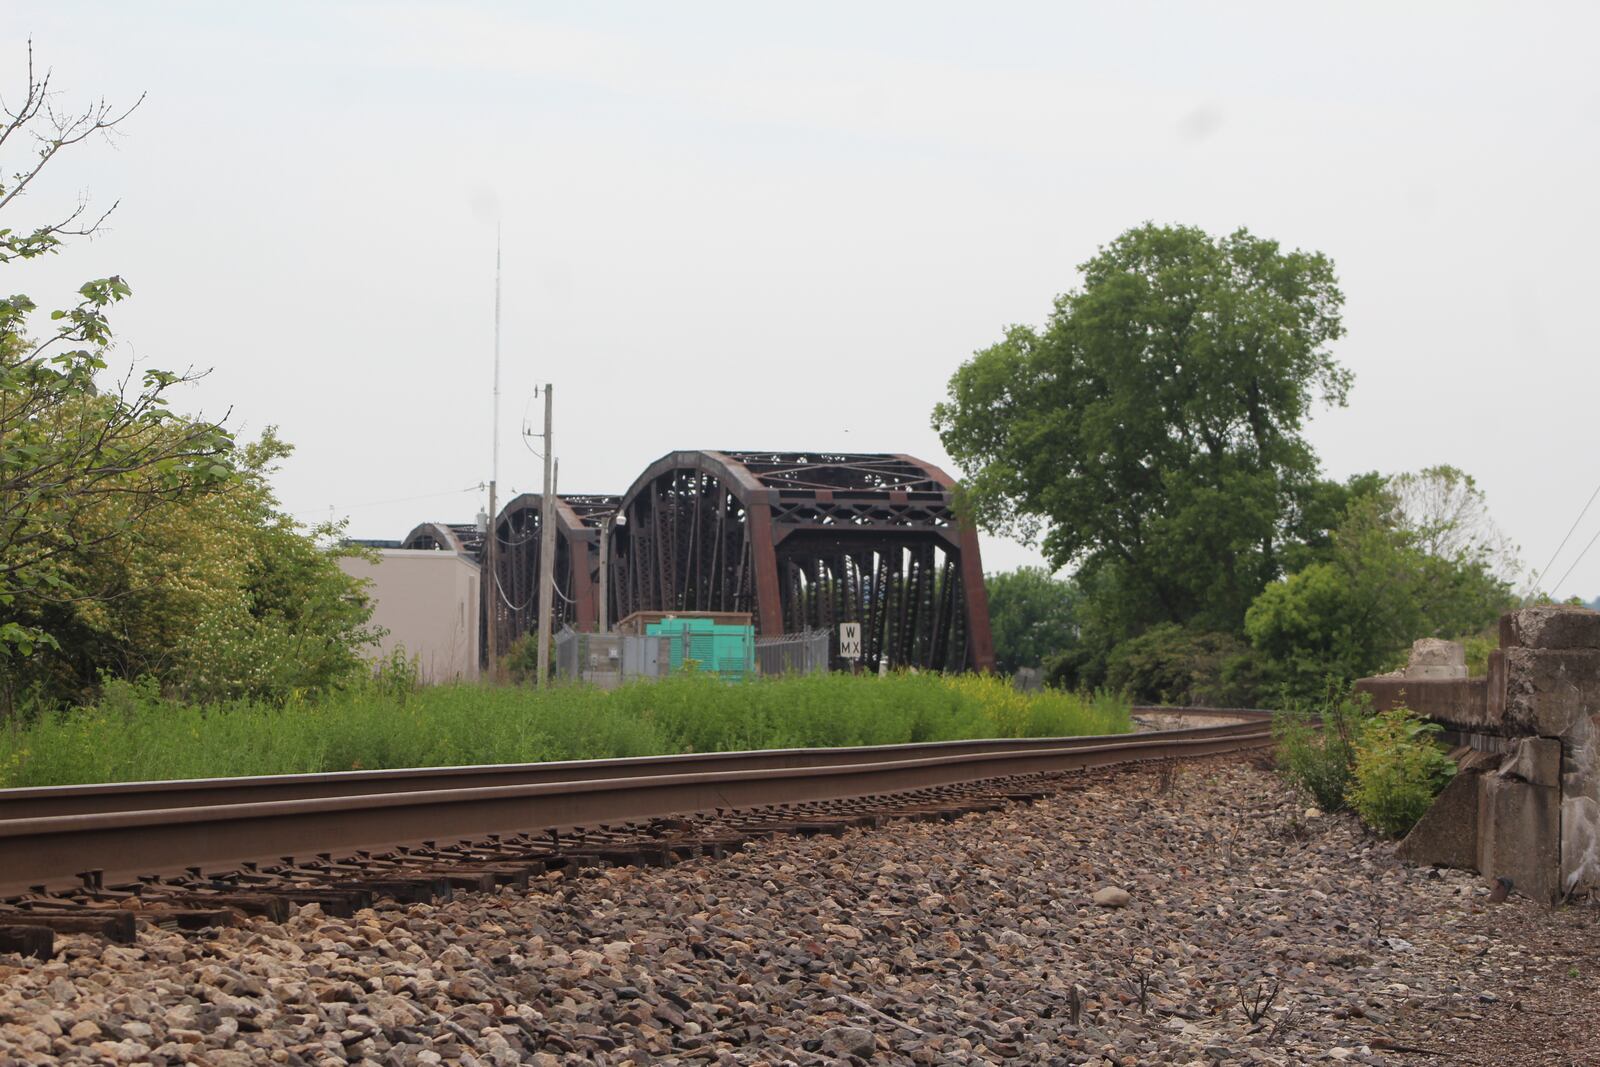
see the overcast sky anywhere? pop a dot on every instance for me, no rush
(746, 226)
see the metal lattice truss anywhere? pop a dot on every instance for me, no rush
(579, 521)
(808, 540)
(801, 540)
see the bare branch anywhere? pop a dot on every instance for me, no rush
(32, 102)
(66, 130)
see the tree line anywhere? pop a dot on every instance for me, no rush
(1150, 438)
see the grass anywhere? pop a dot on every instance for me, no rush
(134, 734)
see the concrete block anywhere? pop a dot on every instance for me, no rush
(1476, 761)
(1435, 658)
(1536, 760)
(1447, 836)
(1436, 671)
(1434, 652)
(1519, 835)
(1548, 691)
(1554, 626)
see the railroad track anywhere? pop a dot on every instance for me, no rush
(200, 853)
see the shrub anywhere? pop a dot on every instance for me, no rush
(217, 596)
(397, 675)
(1317, 746)
(520, 662)
(1399, 769)
(1169, 664)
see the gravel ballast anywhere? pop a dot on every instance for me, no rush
(1190, 916)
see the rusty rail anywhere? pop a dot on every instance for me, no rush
(403, 808)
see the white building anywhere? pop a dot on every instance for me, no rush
(428, 601)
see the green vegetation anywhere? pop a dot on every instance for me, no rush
(1399, 769)
(218, 597)
(1150, 437)
(136, 542)
(1151, 432)
(1386, 766)
(1385, 580)
(134, 733)
(1168, 664)
(1316, 747)
(1031, 616)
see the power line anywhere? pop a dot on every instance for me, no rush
(507, 600)
(1564, 541)
(1579, 560)
(525, 605)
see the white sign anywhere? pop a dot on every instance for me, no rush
(849, 640)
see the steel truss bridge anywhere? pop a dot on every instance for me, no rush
(801, 540)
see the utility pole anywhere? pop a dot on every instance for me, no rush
(547, 538)
(491, 575)
(605, 574)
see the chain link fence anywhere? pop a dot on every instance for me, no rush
(607, 660)
(801, 653)
(593, 658)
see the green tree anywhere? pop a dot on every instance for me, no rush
(215, 597)
(70, 441)
(136, 542)
(1031, 615)
(1152, 429)
(1383, 585)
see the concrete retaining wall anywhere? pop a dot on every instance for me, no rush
(1536, 819)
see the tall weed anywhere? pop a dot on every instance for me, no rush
(1316, 745)
(134, 733)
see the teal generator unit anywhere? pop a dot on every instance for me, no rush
(726, 649)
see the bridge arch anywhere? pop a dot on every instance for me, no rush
(578, 521)
(445, 537)
(807, 540)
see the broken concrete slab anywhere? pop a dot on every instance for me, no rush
(1580, 805)
(1432, 657)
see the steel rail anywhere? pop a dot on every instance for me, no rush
(46, 801)
(53, 852)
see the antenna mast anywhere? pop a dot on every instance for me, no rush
(491, 576)
(547, 542)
